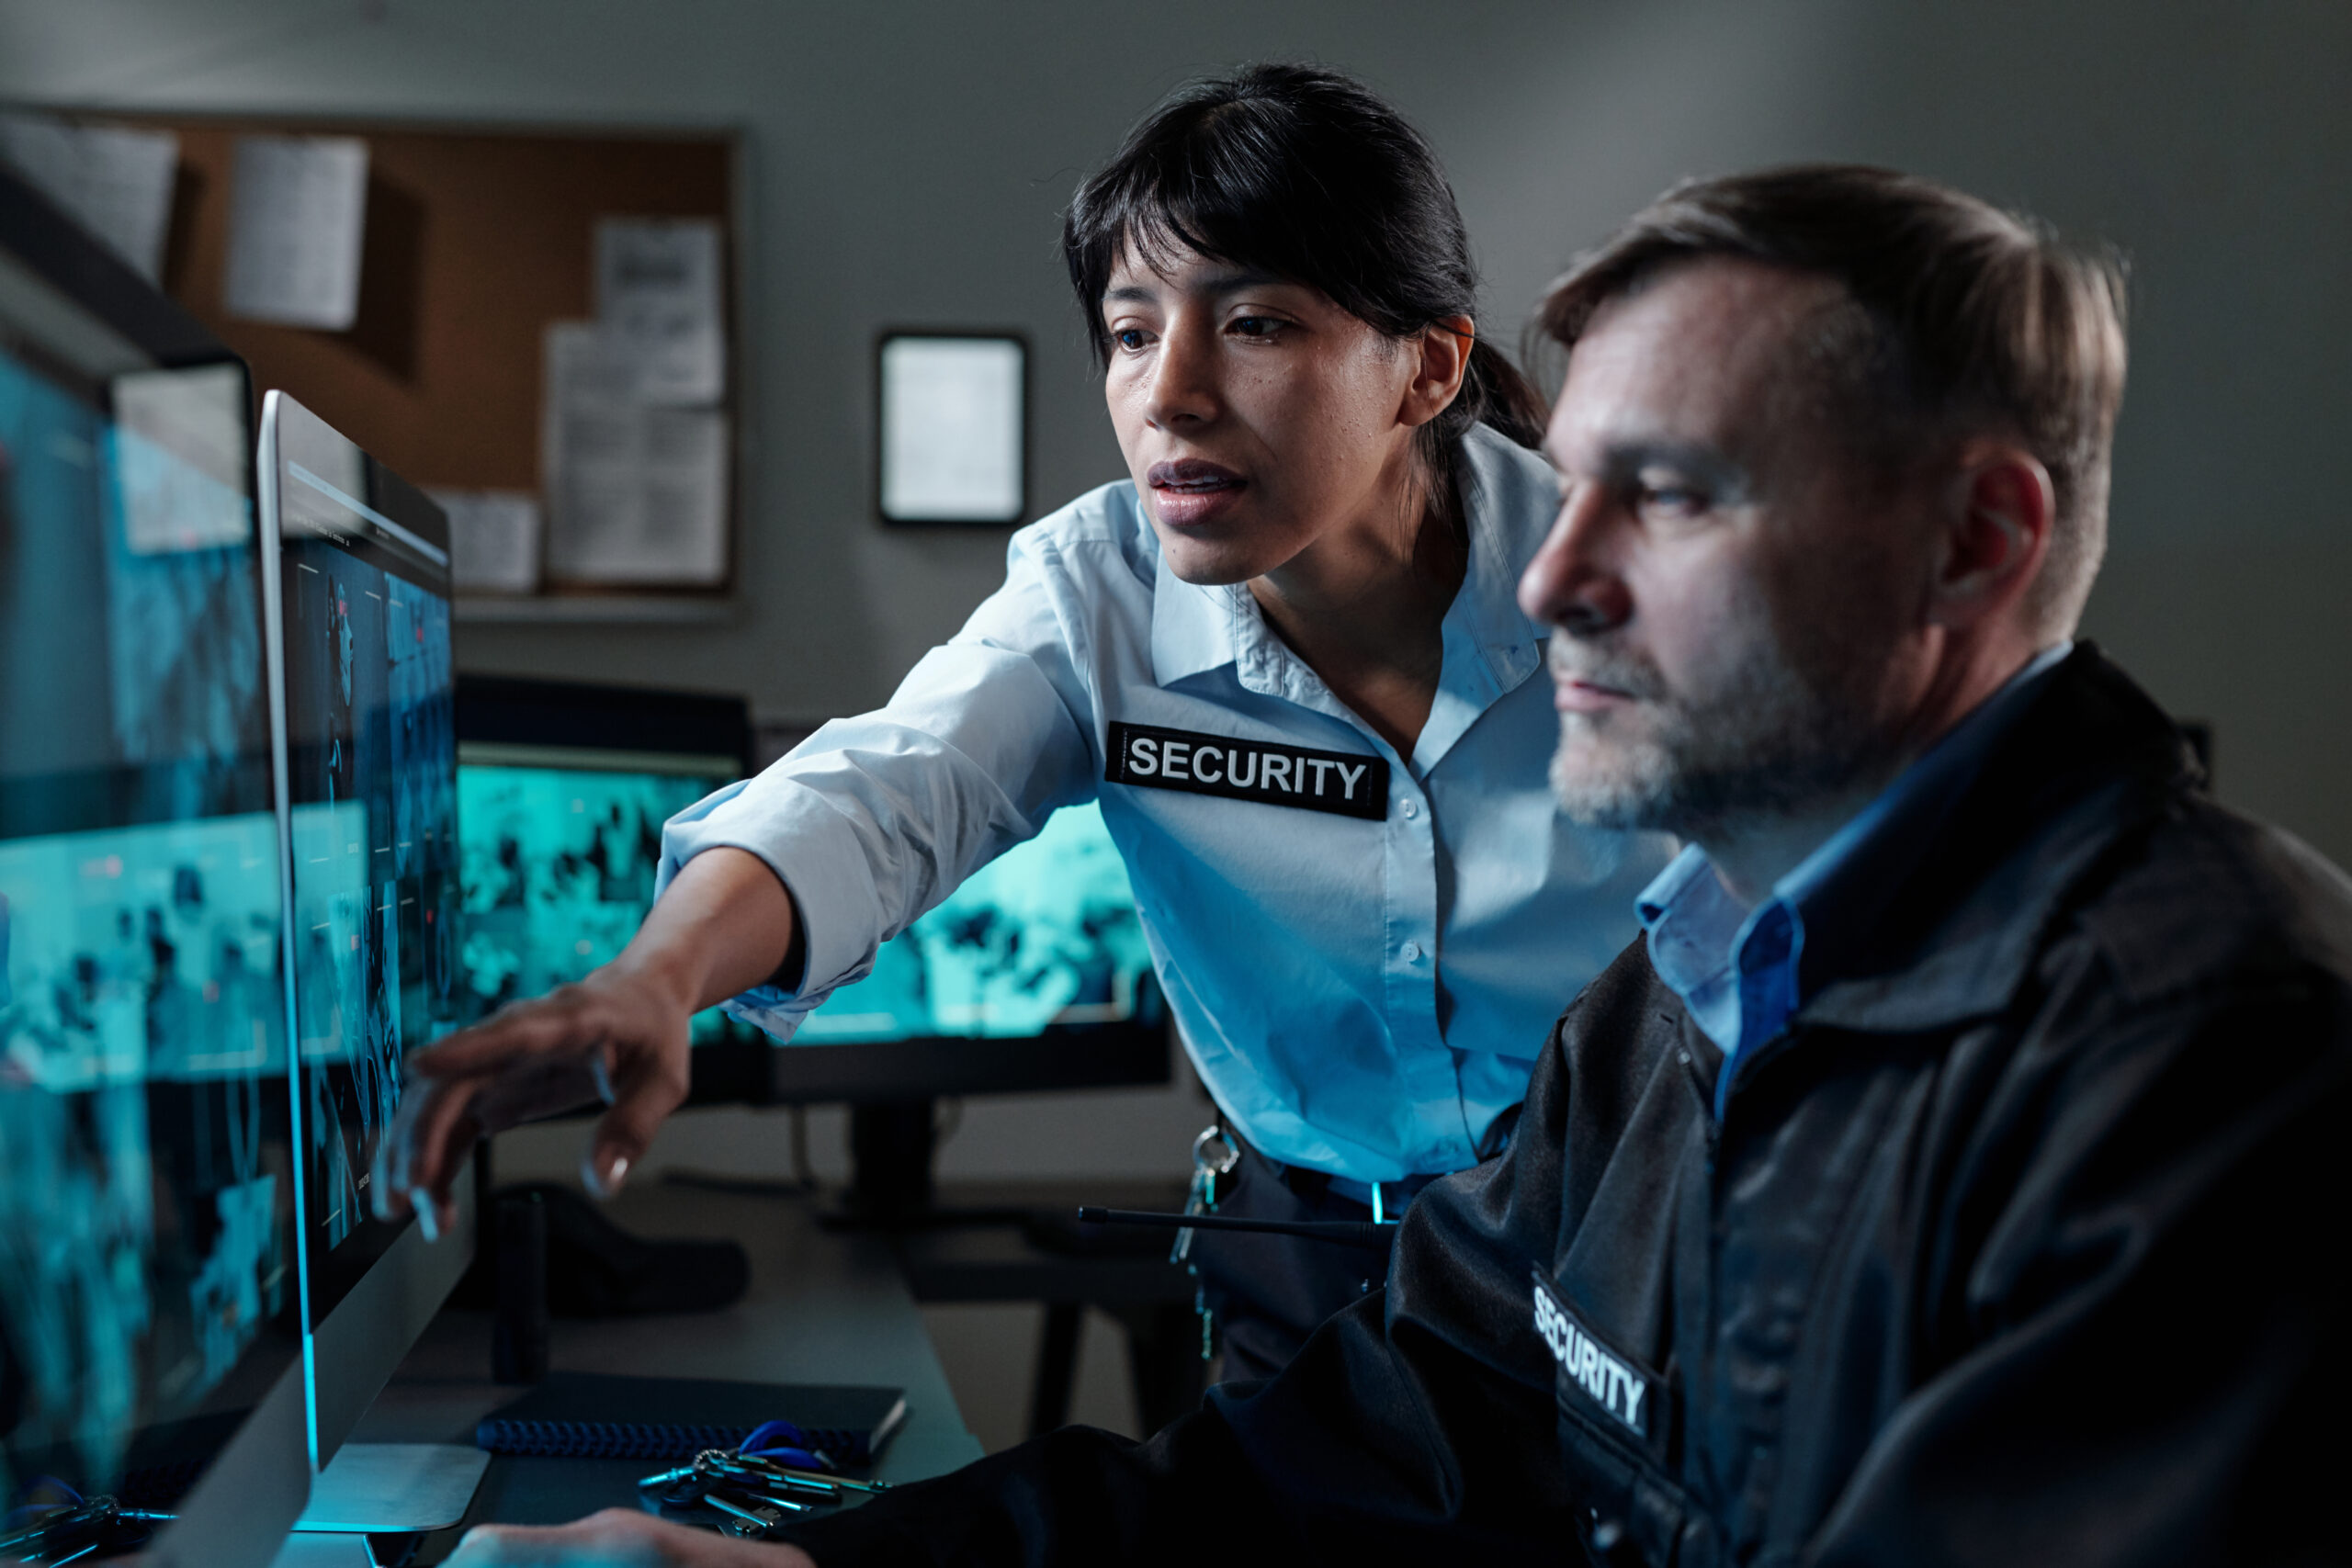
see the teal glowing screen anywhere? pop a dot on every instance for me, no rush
(1044, 935)
(558, 873)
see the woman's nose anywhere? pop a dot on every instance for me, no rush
(1183, 382)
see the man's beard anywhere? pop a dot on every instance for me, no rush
(1770, 744)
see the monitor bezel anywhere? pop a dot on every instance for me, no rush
(514, 710)
(379, 1294)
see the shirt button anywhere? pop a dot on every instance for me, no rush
(1412, 950)
(1412, 809)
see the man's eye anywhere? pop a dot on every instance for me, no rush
(1257, 326)
(1675, 499)
(1129, 338)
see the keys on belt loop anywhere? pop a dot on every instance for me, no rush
(1206, 1168)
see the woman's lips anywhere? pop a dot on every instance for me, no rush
(1190, 493)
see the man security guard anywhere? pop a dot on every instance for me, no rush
(1947, 1175)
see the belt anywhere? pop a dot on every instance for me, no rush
(1383, 1199)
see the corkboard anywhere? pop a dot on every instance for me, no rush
(476, 240)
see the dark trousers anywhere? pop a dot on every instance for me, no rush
(1268, 1292)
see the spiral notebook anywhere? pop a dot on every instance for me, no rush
(601, 1416)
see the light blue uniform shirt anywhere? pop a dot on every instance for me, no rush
(1363, 996)
(1740, 971)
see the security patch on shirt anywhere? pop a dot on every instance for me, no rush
(1622, 1389)
(1263, 770)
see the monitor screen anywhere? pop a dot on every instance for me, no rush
(1044, 936)
(370, 765)
(1031, 976)
(147, 1249)
(559, 846)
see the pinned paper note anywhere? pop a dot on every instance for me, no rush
(298, 209)
(180, 454)
(658, 295)
(951, 433)
(493, 540)
(116, 182)
(637, 491)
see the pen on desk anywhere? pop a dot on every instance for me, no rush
(762, 1470)
(789, 1474)
(1344, 1232)
(717, 1462)
(829, 1483)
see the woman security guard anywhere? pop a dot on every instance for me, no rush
(1285, 657)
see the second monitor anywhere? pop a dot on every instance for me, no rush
(562, 789)
(1031, 976)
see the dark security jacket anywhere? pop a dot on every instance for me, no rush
(2024, 1243)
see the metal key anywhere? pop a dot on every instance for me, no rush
(1202, 1200)
(754, 1523)
(1206, 1168)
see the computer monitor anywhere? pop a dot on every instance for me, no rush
(562, 789)
(357, 622)
(148, 1327)
(1031, 976)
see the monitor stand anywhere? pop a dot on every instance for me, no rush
(891, 1147)
(892, 1144)
(387, 1488)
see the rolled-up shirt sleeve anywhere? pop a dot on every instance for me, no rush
(873, 819)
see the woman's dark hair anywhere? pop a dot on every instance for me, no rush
(1305, 174)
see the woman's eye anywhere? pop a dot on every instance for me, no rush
(1129, 338)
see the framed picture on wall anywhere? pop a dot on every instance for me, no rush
(952, 427)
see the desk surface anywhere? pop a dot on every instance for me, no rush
(823, 1307)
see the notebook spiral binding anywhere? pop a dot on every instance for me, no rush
(634, 1439)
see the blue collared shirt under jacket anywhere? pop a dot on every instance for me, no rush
(1363, 995)
(1742, 972)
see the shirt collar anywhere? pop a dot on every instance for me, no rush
(1194, 628)
(1841, 884)
(1510, 495)
(1697, 931)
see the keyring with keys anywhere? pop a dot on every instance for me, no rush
(1206, 1168)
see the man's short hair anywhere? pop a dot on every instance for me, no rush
(1963, 319)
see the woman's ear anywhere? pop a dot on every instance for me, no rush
(1443, 361)
(1997, 520)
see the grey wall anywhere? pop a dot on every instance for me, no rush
(908, 162)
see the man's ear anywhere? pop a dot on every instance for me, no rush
(1997, 516)
(1443, 360)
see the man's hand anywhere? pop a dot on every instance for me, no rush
(617, 1539)
(724, 925)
